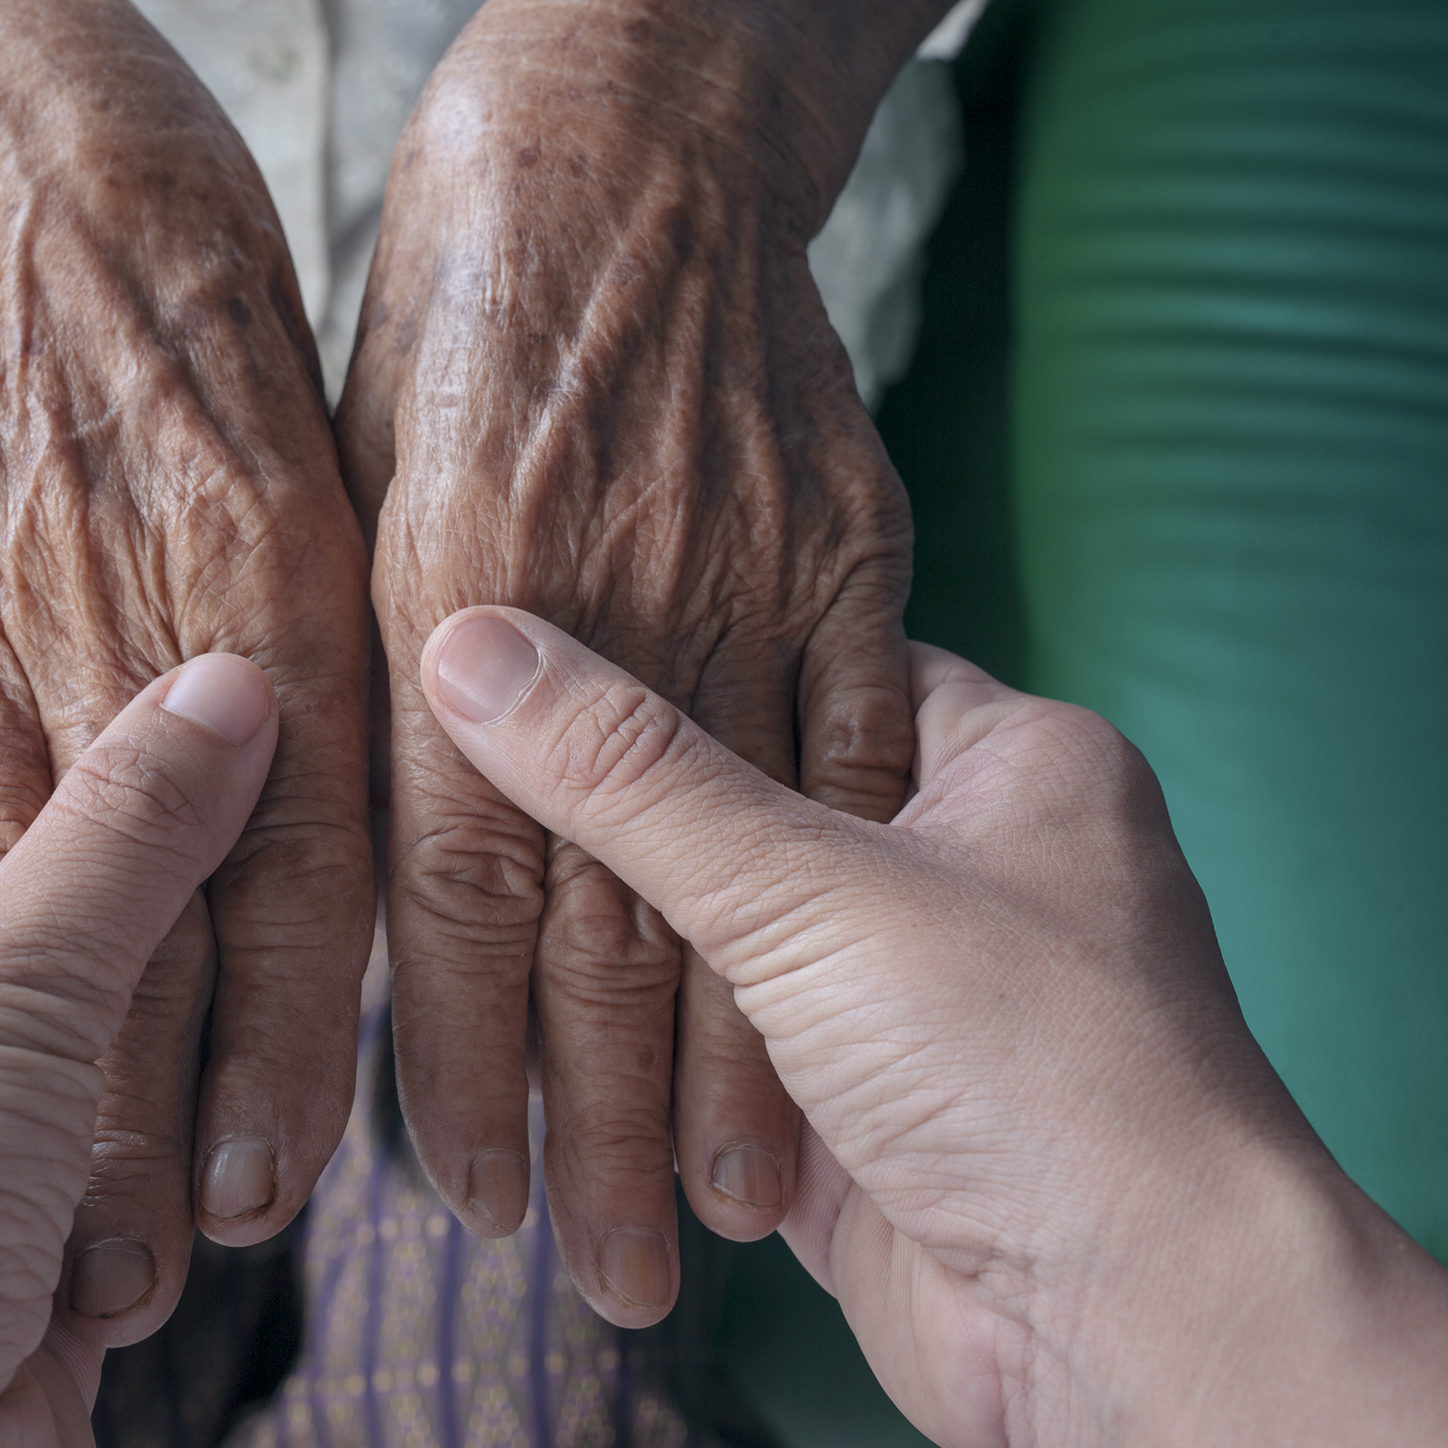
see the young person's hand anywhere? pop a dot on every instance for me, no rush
(117, 855)
(1061, 1195)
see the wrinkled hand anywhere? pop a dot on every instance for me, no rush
(168, 487)
(594, 379)
(139, 821)
(1057, 1188)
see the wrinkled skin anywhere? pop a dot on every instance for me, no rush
(168, 487)
(594, 379)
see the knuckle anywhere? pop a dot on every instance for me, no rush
(595, 926)
(1106, 773)
(592, 939)
(482, 883)
(589, 971)
(867, 730)
(621, 1142)
(1096, 745)
(725, 1046)
(306, 805)
(616, 747)
(124, 1157)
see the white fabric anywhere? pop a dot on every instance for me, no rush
(868, 260)
(382, 54)
(266, 62)
(320, 90)
(948, 38)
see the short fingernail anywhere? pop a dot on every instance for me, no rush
(483, 667)
(240, 1177)
(222, 692)
(749, 1174)
(111, 1277)
(634, 1264)
(498, 1184)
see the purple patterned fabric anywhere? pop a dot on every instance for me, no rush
(420, 1335)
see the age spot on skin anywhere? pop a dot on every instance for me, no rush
(528, 156)
(405, 336)
(240, 312)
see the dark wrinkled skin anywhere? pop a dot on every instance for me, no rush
(594, 361)
(594, 380)
(169, 486)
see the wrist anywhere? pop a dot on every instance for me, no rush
(1264, 1299)
(777, 95)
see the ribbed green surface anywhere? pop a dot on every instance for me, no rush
(1232, 456)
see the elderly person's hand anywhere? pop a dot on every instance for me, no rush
(1058, 1190)
(117, 855)
(169, 487)
(594, 378)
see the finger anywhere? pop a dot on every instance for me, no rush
(604, 983)
(125, 1287)
(130, 1246)
(293, 907)
(598, 758)
(932, 667)
(89, 893)
(956, 705)
(858, 738)
(736, 1132)
(463, 905)
(44, 1407)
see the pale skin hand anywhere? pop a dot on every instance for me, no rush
(1059, 1192)
(169, 487)
(594, 378)
(145, 814)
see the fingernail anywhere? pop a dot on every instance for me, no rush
(223, 693)
(498, 1184)
(634, 1265)
(111, 1277)
(749, 1174)
(483, 667)
(240, 1177)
